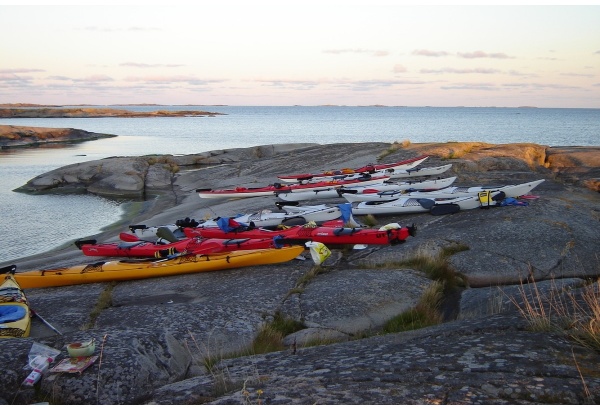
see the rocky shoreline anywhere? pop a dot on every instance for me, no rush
(20, 137)
(192, 339)
(88, 112)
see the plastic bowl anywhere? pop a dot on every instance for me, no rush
(81, 349)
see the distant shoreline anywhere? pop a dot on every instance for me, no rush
(96, 112)
(32, 105)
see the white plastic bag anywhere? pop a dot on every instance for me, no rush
(40, 356)
(318, 251)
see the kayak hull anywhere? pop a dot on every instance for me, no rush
(196, 246)
(409, 204)
(243, 192)
(15, 315)
(136, 269)
(447, 192)
(329, 193)
(262, 219)
(324, 234)
(390, 167)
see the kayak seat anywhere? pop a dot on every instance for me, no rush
(234, 242)
(129, 245)
(380, 202)
(165, 233)
(345, 231)
(426, 202)
(12, 313)
(499, 196)
(444, 209)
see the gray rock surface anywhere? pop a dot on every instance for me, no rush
(171, 340)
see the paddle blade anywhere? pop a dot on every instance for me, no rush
(318, 251)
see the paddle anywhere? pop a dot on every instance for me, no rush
(44, 321)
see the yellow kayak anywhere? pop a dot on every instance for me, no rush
(142, 269)
(15, 316)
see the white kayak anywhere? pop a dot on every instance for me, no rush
(388, 190)
(337, 192)
(371, 168)
(409, 204)
(263, 219)
(443, 193)
(390, 173)
(419, 172)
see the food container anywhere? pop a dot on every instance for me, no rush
(80, 349)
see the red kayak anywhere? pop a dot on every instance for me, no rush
(390, 235)
(271, 190)
(194, 245)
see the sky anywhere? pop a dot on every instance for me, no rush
(307, 52)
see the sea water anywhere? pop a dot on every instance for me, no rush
(32, 224)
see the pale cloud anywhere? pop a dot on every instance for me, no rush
(135, 28)
(60, 78)
(356, 85)
(103, 29)
(144, 65)
(539, 86)
(374, 53)
(98, 78)
(399, 68)
(471, 86)
(13, 78)
(516, 73)
(448, 70)
(577, 75)
(20, 70)
(162, 79)
(429, 53)
(482, 54)
(291, 84)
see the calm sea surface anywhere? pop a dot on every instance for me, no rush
(33, 224)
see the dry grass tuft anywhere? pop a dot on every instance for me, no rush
(370, 220)
(574, 314)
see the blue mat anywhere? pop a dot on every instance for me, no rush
(12, 313)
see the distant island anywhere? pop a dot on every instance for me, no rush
(80, 112)
(12, 136)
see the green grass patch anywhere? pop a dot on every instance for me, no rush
(104, 302)
(435, 267)
(425, 313)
